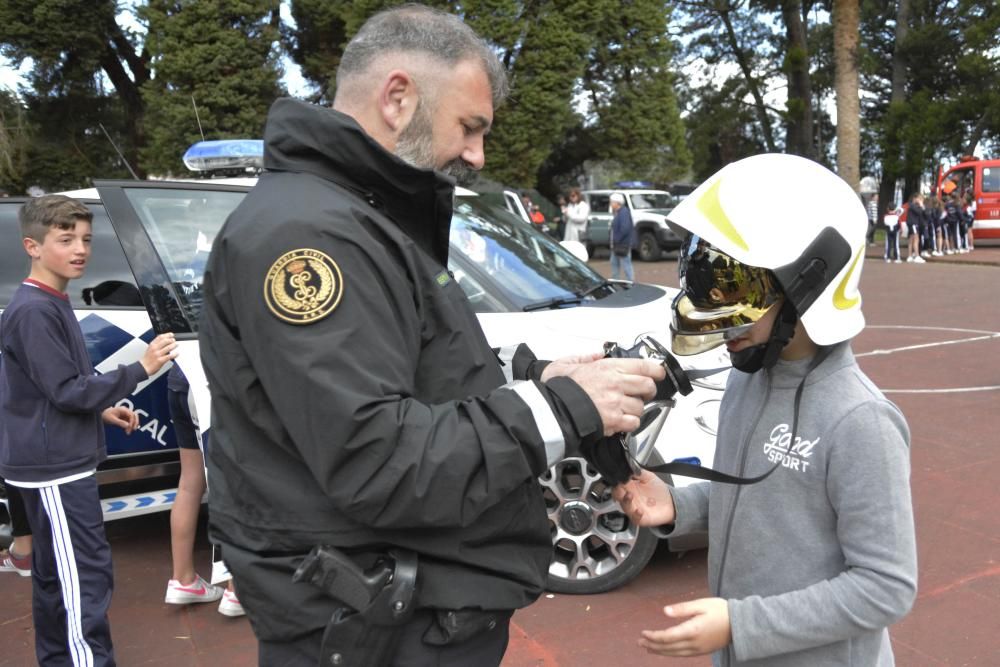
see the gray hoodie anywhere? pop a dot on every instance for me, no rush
(817, 560)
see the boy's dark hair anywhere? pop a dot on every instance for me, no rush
(41, 214)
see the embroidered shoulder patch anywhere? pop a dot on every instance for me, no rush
(303, 286)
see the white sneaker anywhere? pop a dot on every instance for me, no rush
(909, 259)
(936, 253)
(898, 261)
(925, 254)
(919, 260)
(197, 591)
(230, 605)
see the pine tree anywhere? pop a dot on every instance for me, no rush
(214, 62)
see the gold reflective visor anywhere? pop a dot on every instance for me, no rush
(721, 298)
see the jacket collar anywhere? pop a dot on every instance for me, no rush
(307, 138)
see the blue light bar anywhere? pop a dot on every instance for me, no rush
(634, 185)
(225, 154)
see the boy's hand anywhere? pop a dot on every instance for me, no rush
(704, 628)
(122, 417)
(646, 500)
(160, 351)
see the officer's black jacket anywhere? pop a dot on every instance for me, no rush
(386, 421)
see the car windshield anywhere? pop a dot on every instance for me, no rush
(647, 200)
(501, 262)
(494, 252)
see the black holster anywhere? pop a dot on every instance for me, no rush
(377, 601)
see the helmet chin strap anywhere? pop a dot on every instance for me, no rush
(765, 355)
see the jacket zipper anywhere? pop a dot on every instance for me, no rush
(736, 498)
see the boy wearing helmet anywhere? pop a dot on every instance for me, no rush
(810, 564)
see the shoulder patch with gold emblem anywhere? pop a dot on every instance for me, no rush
(303, 286)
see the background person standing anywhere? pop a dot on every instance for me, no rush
(577, 213)
(622, 238)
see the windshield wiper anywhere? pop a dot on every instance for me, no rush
(559, 301)
(554, 302)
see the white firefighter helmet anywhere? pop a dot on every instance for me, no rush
(783, 213)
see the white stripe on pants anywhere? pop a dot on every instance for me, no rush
(68, 576)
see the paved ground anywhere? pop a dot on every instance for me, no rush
(933, 341)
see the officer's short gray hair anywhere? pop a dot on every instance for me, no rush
(425, 31)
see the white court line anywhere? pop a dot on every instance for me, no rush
(956, 390)
(987, 335)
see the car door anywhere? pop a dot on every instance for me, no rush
(166, 230)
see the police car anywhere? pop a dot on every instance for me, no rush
(151, 242)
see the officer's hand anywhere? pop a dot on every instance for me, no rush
(704, 628)
(567, 365)
(160, 351)
(619, 388)
(646, 500)
(122, 417)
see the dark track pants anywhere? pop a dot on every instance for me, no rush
(71, 574)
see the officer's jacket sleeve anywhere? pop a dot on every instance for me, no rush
(343, 389)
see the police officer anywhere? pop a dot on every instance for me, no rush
(356, 403)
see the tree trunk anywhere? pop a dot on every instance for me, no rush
(758, 98)
(846, 15)
(799, 137)
(891, 144)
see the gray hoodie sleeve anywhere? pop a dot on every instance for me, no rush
(868, 485)
(690, 510)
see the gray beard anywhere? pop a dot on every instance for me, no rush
(415, 147)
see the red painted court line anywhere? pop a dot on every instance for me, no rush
(947, 588)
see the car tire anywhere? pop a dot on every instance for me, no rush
(596, 548)
(649, 247)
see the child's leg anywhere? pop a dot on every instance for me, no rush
(20, 529)
(71, 574)
(184, 515)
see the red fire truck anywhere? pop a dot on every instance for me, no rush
(981, 178)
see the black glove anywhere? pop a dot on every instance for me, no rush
(609, 455)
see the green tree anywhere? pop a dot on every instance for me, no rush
(722, 128)
(543, 47)
(733, 31)
(215, 65)
(73, 45)
(14, 142)
(552, 52)
(935, 84)
(630, 85)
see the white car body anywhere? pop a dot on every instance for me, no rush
(621, 313)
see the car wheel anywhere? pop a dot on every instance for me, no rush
(596, 548)
(649, 248)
